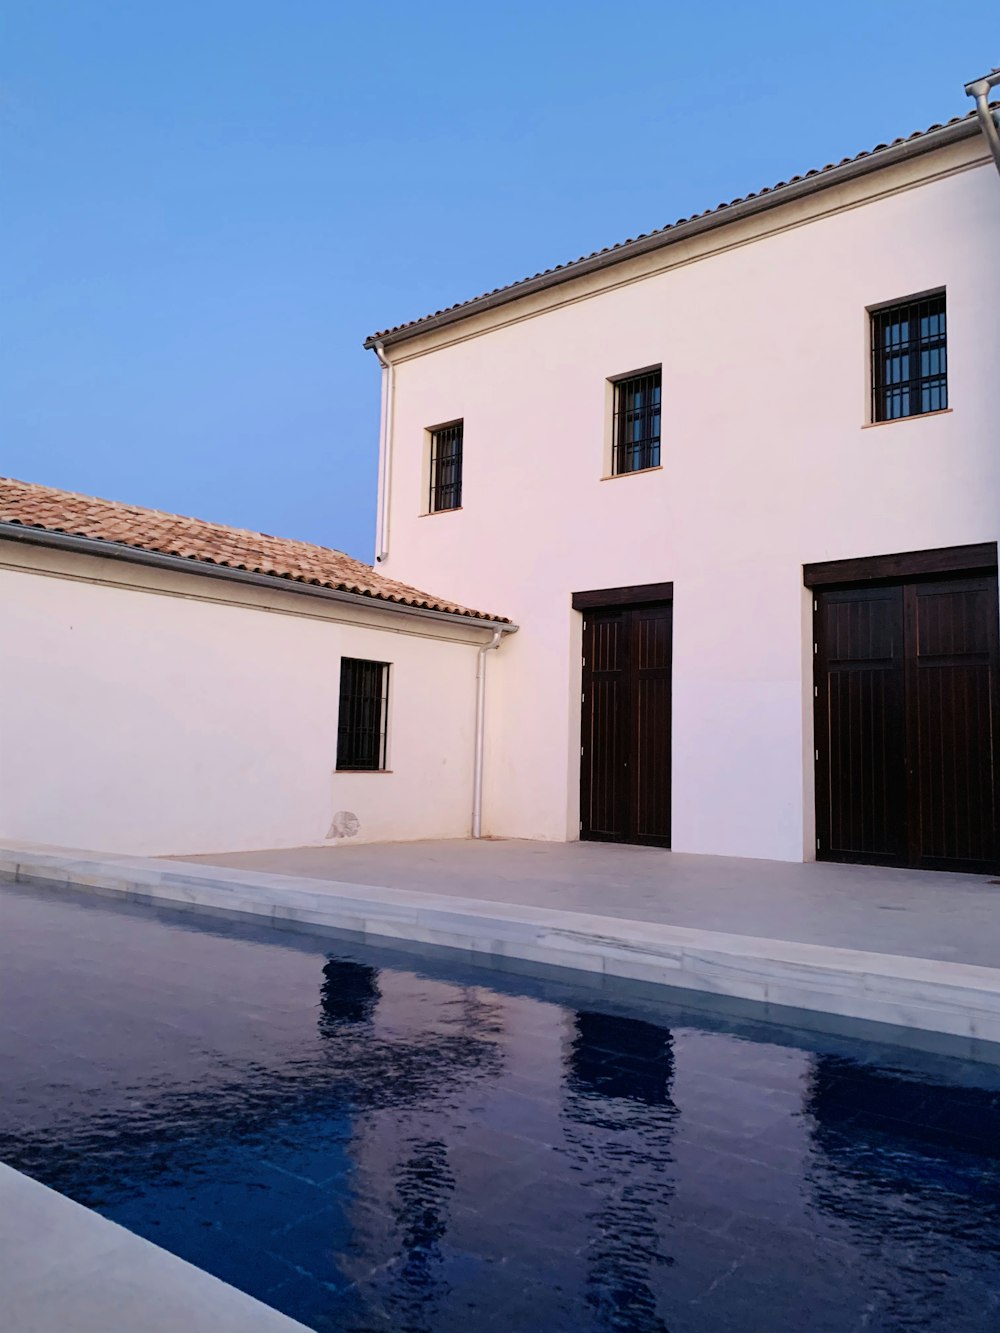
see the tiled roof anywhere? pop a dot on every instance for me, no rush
(623, 250)
(48, 510)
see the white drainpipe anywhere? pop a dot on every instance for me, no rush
(980, 89)
(477, 765)
(382, 551)
(384, 456)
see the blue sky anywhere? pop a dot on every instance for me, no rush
(208, 206)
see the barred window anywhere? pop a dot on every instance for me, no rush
(446, 467)
(909, 359)
(636, 425)
(364, 708)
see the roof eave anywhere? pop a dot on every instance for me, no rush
(879, 158)
(94, 546)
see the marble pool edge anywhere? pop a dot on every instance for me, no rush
(957, 1000)
(65, 1267)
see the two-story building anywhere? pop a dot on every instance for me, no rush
(738, 482)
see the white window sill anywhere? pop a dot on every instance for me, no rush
(637, 472)
(915, 416)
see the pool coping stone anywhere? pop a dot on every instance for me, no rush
(937, 996)
(65, 1267)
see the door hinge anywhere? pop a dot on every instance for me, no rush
(815, 647)
(581, 751)
(583, 698)
(817, 844)
(815, 604)
(817, 756)
(815, 691)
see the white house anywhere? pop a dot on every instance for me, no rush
(174, 686)
(738, 482)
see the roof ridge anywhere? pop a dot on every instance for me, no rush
(183, 518)
(668, 227)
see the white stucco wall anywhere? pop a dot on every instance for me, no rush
(762, 332)
(143, 712)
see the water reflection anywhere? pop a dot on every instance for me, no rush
(619, 1113)
(121, 1122)
(855, 1107)
(909, 1170)
(621, 1058)
(349, 993)
(424, 1183)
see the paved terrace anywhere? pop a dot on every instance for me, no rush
(916, 913)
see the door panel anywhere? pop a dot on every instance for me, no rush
(906, 709)
(625, 752)
(651, 774)
(605, 660)
(860, 699)
(954, 742)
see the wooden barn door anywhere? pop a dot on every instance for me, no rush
(907, 681)
(625, 750)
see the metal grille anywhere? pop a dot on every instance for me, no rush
(909, 359)
(446, 467)
(636, 437)
(364, 709)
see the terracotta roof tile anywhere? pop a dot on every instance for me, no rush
(42, 507)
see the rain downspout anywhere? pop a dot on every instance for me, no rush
(477, 764)
(384, 456)
(990, 120)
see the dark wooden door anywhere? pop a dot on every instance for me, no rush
(907, 693)
(860, 773)
(625, 751)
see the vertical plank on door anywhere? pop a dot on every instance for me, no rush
(651, 722)
(605, 654)
(952, 723)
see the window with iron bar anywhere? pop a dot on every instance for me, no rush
(909, 358)
(364, 710)
(446, 467)
(635, 440)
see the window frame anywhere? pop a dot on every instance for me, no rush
(437, 463)
(351, 747)
(883, 390)
(650, 446)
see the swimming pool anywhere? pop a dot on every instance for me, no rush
(369, 1141)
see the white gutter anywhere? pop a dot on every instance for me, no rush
(980, 90)
(477, 765)
(384, 456)
(180, 564)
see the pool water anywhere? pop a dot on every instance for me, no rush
(373, 1141)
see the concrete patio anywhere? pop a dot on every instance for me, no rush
(915, 913)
